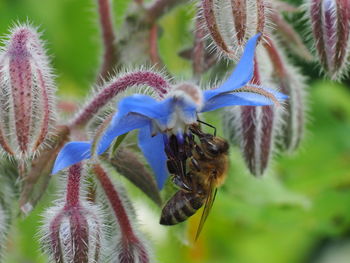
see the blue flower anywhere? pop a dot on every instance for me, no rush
(157, 120)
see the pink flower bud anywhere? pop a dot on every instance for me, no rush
(26, 91)
(230, 26)
(330, 27)
(73, 231)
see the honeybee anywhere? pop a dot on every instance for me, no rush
(207, 169)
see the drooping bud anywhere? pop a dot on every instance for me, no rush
(73, 231)
(254, 130)
(26, 91)
(330, 27)
(231, 26)
(129, 246)
(290, 82)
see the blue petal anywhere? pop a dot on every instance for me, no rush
(241, 98)
(187, 109)
(153, 150)
(241, 74)
(71, 153)
(135, 112)
(146, 106)
(119, 126)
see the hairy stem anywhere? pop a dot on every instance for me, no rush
(275, 57)
(149, 78)
(160, 7)
(198, 54)
(153, 47)
(129, 239)
(115, 201)
(73, 185)
(110, 56)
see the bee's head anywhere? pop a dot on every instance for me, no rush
(213, 145)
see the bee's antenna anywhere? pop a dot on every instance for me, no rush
(211, 126)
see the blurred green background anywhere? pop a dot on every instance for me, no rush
(298, 213)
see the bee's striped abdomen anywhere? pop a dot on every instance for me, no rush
(180, 207)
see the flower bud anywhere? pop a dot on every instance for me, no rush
(231, 24)
(254, 130)
(73, 230)
(290, 82)
(294, 115)
(26, 91)
(330, 28)
(130, 252)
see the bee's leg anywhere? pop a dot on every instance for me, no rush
(195, 164)
(188, 146)
(174, 144)
(199, 151)
(180, 183)
(172, 166)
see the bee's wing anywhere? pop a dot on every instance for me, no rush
(207, 207)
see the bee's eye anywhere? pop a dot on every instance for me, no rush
(212, 148)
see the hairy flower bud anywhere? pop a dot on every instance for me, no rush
(231, 23)
(254, 130)
(294, 115)
(330, 28)
(26, 92)
(289, 80)
(73, 231)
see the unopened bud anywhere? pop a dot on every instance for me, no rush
(130, 252)
(254, 130)
(256, 135)
(26, 92)
(330, 28)
(290, 82)
(294, 115)
(231, 26)
(73, 230)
